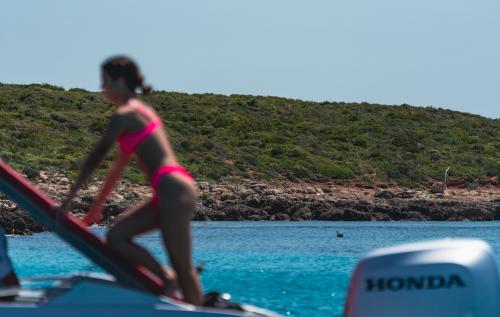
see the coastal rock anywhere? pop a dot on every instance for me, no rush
(309, 190)
(248, 200)
(279, 205)
(406, 194)
(114, 209)
(496, 212)
(63, 181)
(438, 215)
(414, 216)
(303, 213)
(201, 213)
(42, 176)
(438, 188)
(365, 206)
(216, 215)
(383, 193)
(280, 217)
(420, 206)
(354, 215)
(331, 215)
(474, 213)
(254, 201)
(376, 216)
(258, 187)
(203, 186)
(396, 214)
(269, 192)
(242, 212)
(256, 218)
(18, 222)
(245, 193)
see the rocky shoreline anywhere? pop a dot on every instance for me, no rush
(239, 200)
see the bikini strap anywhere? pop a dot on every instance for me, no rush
(140, 108)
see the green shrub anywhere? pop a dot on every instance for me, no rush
(215, 136)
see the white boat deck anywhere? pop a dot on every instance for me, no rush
(97, 295)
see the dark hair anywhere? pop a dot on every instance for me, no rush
(122, 66)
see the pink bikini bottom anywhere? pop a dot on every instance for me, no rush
(163, 171)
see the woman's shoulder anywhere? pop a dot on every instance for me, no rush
(136, 108)
(127, 110)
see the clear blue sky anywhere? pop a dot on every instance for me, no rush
(444, 53)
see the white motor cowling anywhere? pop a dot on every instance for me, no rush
(443, 278)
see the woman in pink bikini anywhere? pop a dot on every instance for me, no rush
(138, 130)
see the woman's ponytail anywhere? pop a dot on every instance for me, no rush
(146, 89)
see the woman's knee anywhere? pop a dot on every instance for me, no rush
(116, 239)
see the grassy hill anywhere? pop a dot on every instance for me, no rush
(44, 127)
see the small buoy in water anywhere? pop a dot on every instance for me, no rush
(340, 234)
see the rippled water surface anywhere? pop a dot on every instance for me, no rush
(295, 268)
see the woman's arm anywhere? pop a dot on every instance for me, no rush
(95, 158)
(95, 212)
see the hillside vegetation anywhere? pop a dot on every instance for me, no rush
(44, 127)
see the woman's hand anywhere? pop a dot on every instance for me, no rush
(93, 216)
(63, 208)
(95, 213)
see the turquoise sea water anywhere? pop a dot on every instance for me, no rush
(295, 268)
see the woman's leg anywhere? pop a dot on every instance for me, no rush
(138, 220)
(176, 204)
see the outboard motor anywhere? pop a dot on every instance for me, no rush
(443, 278)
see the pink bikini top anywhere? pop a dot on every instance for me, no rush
(130, 141)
